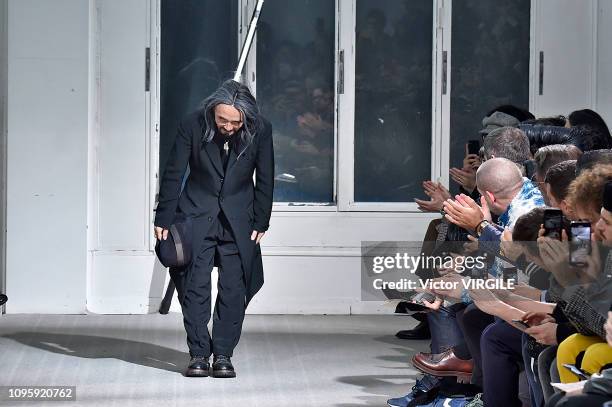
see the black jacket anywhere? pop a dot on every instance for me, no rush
(208, 190)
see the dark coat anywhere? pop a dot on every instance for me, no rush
(208, 191)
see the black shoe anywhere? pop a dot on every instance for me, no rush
(198, 367)
(222, 367)
(421, 331)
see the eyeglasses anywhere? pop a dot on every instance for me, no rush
(223, 123)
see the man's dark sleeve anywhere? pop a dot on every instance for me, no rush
(264, 180)
(172, 179)
(564, 330)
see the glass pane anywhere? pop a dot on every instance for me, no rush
(295, 91)
(490, 64)
(199, 48)
(393, 99)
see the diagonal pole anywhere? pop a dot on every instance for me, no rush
(244, 52)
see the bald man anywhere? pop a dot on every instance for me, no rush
(505, 192)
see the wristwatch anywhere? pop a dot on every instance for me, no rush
(481, 226)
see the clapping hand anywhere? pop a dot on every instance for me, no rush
(437, 194)
(466, 213)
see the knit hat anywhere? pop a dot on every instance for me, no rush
(497, 120)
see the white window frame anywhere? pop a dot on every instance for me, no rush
(345, 106)
(3, 140)
(344, 134)
(440, 119)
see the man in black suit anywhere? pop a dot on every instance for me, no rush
(224, 143)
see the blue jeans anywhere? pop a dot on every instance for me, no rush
(445, 333)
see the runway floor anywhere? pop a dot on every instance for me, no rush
(138, 360)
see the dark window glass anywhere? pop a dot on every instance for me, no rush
(199, 47)
(490, 64)
(295, 91)
(394, 41)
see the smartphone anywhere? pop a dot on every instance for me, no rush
(473, 147)
(418, 298)
(577, 371)
(580, 243)
(553, 223)
(520, 323)
(510, 273)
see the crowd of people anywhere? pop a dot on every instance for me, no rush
(534, 201)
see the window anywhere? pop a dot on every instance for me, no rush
(367, 98)
(295, 91)
(490, 64)
(393, 92)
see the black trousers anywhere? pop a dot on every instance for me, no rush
(193, 285)
(502, 357)
(473, 322)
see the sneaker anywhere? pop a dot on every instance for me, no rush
(448, 402)
(421, 390)
(476, 401)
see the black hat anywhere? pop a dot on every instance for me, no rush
(176, 250)
(607, 196)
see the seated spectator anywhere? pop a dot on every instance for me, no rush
(592, 158)
(595, 391)
(597, 296)
(587, 117)
(548, 156)
(557, 181)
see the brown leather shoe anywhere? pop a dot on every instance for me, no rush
(443, 364)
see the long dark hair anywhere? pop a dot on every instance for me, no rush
(234, 94)
(589, 118)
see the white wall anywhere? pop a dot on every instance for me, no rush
(564, 31)
(312, 261)
(3, 90)
(122, 265)
(47, 155)
(604, 61)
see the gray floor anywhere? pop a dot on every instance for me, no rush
(137, 360)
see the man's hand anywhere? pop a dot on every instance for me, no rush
(555, 256)
(537, 318)
(464, 212)
(509, 248)
(437, 194)
(464, 177)
(454, 289)
(257, 236)
(485, 300)
(471, 161)
(546, 334)
(160, 233)
(433, 305)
